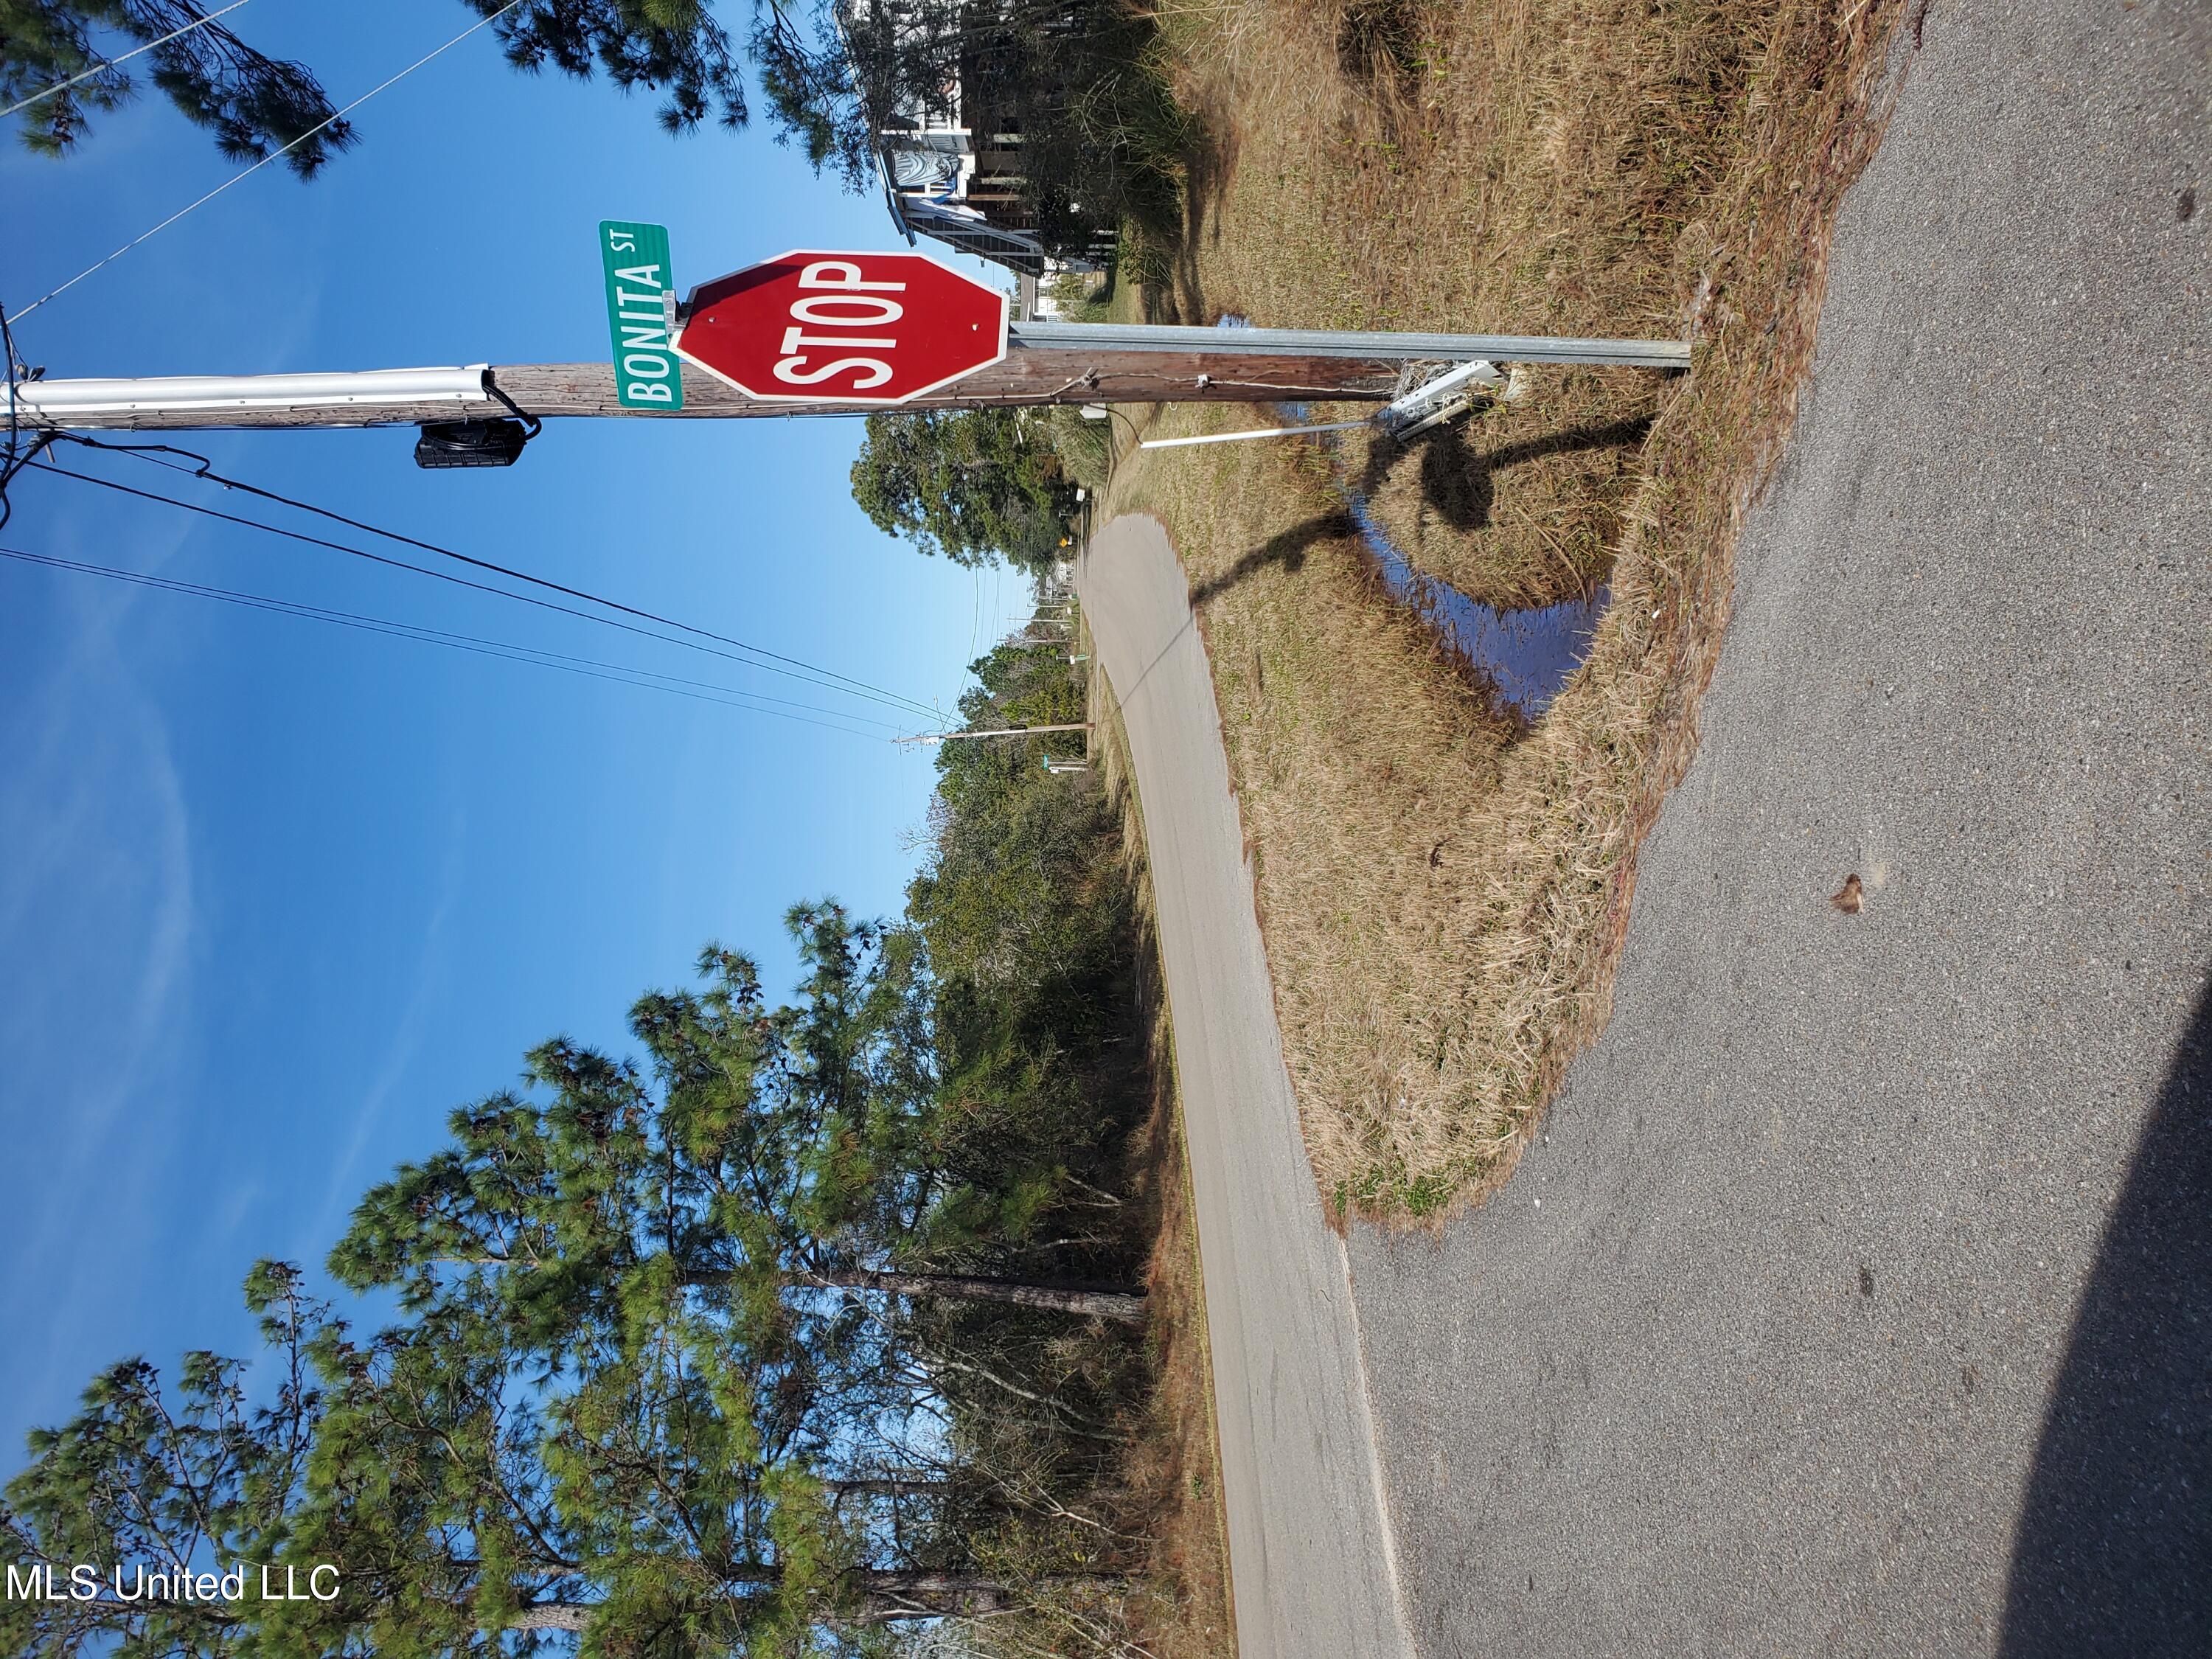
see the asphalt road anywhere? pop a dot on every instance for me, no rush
(1859, 1297)
(1310, 1563)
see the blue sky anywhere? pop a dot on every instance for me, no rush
(276, 896)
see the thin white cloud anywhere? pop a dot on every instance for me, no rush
(97, 932)
(96, 886)
(400, 1050)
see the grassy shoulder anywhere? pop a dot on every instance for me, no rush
(1443, 886)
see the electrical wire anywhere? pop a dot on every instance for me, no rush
(1136, 437)
(274, 155)
(9, 467)
(14, 457)
(645, 679)
(897, 705)
(205, 469)
(828, 677)
(110, 63)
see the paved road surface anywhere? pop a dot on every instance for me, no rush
(1858, 1300)
(1310, 1559)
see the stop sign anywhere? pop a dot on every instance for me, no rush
(849, 328)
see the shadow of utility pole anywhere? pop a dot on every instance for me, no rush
(1286, 551)
(2114, 1547)
(1458, 477)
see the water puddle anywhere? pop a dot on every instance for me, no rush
(1528, 655)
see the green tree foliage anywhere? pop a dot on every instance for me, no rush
(975, 485)
(767, 1338)
(807, 76)
(762, 1153)
(1100, 133)
(1024, 910)
(253, 104)
(456, 1500)
(675, 47)
(256, 105)
(147, 1477)
(1018, 893)
(666, 1325)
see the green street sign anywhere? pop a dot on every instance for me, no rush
(640, 287)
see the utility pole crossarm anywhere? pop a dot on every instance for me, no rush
(1046, 363)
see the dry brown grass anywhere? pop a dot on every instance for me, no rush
(1506, 166)
(1443, 892)
(1525, 507)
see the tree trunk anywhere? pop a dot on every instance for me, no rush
(895, 1595)
(1093, 1301)
(553, 1616)
(887, 1595)
(890, 1597)
(875, 1487)
(1083, 1297)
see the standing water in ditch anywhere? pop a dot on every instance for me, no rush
(1528, 655)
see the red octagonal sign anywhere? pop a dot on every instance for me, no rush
(846, 328)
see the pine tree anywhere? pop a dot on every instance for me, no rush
(257, 106)
(436, 1491)
(674, 47)
(676, 1370)
(145, 1476)
(253, 104)
(766, 1153)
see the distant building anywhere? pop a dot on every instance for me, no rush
(954, 172)
(934, 189)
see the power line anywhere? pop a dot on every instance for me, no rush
(110, 63)
(897, 705)
(205, 469)
(14, 459)
(273, 154)
(589, 667)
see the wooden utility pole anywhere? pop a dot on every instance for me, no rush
(1001, 732)
(1045, 363)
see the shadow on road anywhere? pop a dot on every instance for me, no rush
(2115, 1541)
